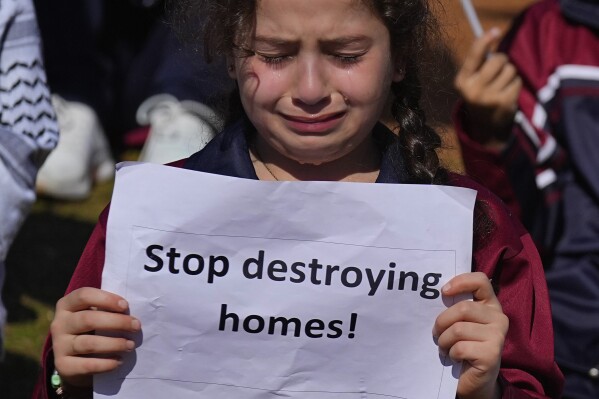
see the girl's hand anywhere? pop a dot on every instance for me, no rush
(490, 87)
(78, 354)
(473, 332)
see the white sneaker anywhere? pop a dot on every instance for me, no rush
(177, 128)
(81, 157)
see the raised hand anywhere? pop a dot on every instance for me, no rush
(490, 86)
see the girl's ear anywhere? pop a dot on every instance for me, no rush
(399, 71)
(231, 67)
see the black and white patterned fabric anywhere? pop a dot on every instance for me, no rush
(28, 127)
(24, 94)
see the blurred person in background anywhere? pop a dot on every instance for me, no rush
(28, 129)
(529, 129)
(121, 74)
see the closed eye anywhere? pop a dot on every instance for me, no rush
(273, 59)
(348, 59)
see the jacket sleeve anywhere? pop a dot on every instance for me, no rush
(88, 273)
(506, 253)
(528, 365)
(491, 167)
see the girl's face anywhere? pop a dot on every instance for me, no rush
(319, 79)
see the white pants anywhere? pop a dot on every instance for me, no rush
(17, 194)
(27, 133)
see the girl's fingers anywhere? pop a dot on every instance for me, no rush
(469, 351)
(96, 344)
(87, 297)
(468, 311)
(476, 283)
(90, 320)
(77, 355)
(473, 332)
(467, 331)
(69, 366)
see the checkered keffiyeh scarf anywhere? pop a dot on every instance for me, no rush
(25, 106)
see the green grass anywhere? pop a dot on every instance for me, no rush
(26, 339)
(24, 342)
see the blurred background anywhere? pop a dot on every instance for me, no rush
(48, 246)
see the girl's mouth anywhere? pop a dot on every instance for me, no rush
(314, 123)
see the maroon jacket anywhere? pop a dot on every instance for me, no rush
(504, 252)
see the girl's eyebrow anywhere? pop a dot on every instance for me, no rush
(345, 40)
(335, 42)
(274, 41)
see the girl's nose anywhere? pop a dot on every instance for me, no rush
(311, 84)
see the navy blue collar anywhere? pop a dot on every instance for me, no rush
(585, 12)
(228, 154)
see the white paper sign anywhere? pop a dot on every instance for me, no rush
(250, 289)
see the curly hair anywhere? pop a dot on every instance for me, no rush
(412, 28)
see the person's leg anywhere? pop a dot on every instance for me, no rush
(28, 129)
(574, 290)
(18, 194)
(77, 67)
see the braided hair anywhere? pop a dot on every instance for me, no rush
(412, 29)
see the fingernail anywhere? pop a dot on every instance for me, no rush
(123, 304)
(446, 288)
(135, 324)
(130, 345)
(495, 32)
